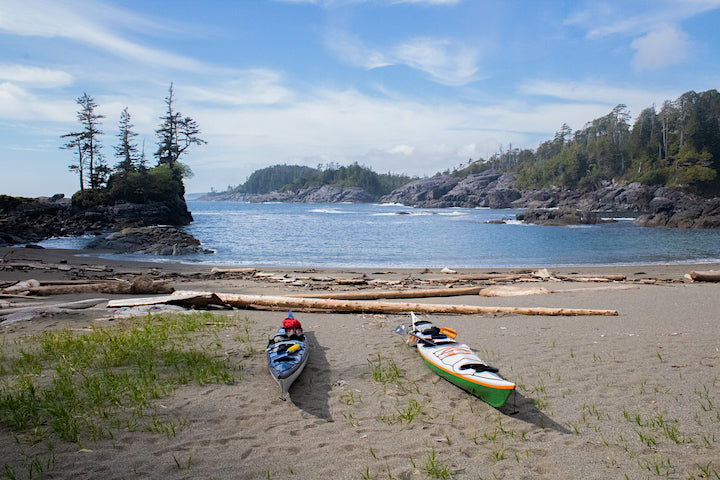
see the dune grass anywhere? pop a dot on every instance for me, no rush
(82, 386)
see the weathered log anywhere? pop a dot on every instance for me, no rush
(233, 270)
(184, 298)
(59, 266)
(140, 285)
(498, 277)
(509, 291)
(592, 278)
(53, 307)
(705, 276)
(263, 302)
(376, 295)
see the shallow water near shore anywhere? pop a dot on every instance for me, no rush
(394, 236)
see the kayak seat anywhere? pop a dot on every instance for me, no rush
(479, 367)
(284, 358)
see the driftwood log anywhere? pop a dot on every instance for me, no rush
(53, 307)
(376, 295)
(140, 285)
(493, 291)
(264, 302)
(705, 276)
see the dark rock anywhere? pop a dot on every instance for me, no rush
(149, 240)
(486, 189)
(34, 219)
(323, 194)
(333, 194)
(425, 193)
(681, 211)
(560, 217)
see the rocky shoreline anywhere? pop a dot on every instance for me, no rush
(652, 206)
(122, 228)
(135, 228)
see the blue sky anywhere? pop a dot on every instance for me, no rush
(402, 86)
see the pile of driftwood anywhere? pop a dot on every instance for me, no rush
(267, 302)
(34, 289)
(366, 300)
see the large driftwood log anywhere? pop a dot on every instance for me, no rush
(592, 278)
(493, 291)
(705, 276)
(376, 295)
(233, 270)
(264, 302)
(140, 285)
(54, 307)
(497, 277)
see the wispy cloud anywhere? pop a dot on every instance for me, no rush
(595, 93)
(659, 40)
(88, 23)
(19, 104)
(34, 76)
(445, 61)
(660, 48)
(251, 87)
(612, 17)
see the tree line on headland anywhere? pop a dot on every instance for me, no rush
(677, 147)
(128, 194)
(130, 180)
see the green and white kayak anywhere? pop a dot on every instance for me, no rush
(457, 363)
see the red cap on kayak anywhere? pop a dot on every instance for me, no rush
(291, 323)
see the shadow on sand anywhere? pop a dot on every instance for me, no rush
(525, 409)
(311, 391)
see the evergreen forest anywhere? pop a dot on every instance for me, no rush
(677, 146)
(283, 178)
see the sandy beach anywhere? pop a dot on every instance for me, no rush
(635, 395)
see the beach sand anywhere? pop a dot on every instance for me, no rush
(635, 395)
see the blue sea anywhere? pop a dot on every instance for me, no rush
(394, 236)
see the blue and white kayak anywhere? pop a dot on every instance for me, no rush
(286, 357)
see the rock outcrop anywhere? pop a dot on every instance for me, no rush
(487, 189)
(24, 220)
(323, 194)
(654, 206)
(561, 217)
(150, 240)
(423, 193)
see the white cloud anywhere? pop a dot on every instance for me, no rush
(594, 93)
(445, 61)
(251, 87)
(18, 104)
(352, 51)
(660, 48)
(38, 77)
(89, 23)
(632, 18)
(402, 150)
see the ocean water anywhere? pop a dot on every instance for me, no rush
(394, 236)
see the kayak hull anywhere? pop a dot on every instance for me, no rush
(489, 390)
(460, 365)
(286, 358)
